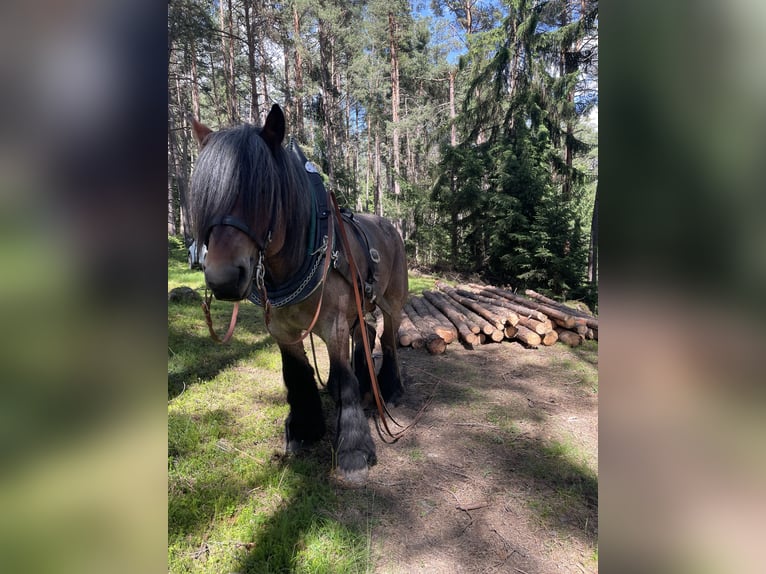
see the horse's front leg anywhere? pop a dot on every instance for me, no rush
(354, 446)
(305, 423)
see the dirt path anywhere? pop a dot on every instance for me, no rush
(500, 475)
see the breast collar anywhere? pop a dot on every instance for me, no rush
(305, 281)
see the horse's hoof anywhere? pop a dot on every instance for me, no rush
(353, 478)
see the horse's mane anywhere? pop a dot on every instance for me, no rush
(236, 163)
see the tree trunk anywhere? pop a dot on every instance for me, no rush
(376, 196)
(194, 80)
(229, 49)
(395, 99)
(593, 249)
(298, 76)
(452, 112)
(254, 113)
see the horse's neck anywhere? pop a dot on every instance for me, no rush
(287, 259)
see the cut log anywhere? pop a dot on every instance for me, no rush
(492, 304)
(592, 321)
(579, 326)
(527, 336)
(473, 317)
(470, 319)
(409, 335)
(550, 337)
(566, 319)
(465, 333)
(539, 327)
(510, 331)
(435, 344)
(441, 318)
(497, 335)
(430, 323)
(515, 307)
(474, 306)
(474, 322)
(568, 337)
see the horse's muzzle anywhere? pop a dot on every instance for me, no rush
(229, 283)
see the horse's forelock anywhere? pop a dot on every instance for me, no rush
(237, 163)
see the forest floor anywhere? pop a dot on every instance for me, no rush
(500, 474)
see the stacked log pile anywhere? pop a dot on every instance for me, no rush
(476, 314)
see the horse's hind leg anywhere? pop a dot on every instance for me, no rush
(305, 423)
(389, 376)
(361, 370)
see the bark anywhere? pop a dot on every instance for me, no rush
(470, 319)
(440, 303)
(452, 112)
(566, 319)
(593, 250)
(526, 311)
(378, 204)
(490, 318)
(195, 80)
(491, 304)
(395, 98)
(441, 317)
(408, 334)
(430, 322)
(254, 112)
(298, 75)
(539, 327)
(591, 321)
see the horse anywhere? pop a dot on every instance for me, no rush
(251, 205)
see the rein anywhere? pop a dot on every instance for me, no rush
(209, 320)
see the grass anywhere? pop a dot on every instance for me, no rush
(583, 366)
(234, 503)
(417, 282)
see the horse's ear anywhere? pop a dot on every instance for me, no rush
(200, 131)
(273, 131)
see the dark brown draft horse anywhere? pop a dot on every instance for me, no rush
(253, 206)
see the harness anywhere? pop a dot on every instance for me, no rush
(301, 285)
